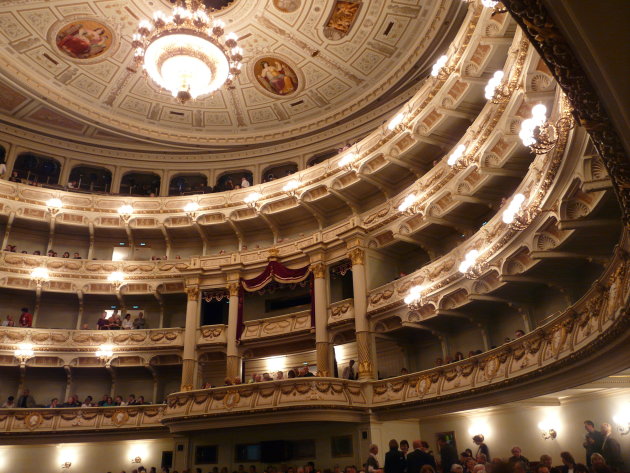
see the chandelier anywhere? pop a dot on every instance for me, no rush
(187, 53)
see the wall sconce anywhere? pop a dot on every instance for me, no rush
(414, 298)
(54, 205)
(40, 276)
(622, 420)
(471, 267)
(251, 200)
(136, 460)
(292, 187)
(440, 70)
(105, 353)
(396, 121)
(457, 158)
(23, 353)
(125, 211)
(117, 278)
(191, 209)
(411, 205)
(348, 161)
(66, 465)
(547, 431)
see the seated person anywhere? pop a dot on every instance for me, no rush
(76, 255)
(66, 255)
(127, 324)
(102, 323)
(140, 322)
(14, 177)
(140, 401)
(54, 402)
(88, 402)
(72, 402)
(37, 253)
(9, 322)
(9, 403)
(115, 322)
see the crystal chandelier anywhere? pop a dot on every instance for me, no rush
(187, 53)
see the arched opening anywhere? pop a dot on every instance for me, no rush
(36, 170)
(188, 184)
(140, 183)
(278, 171)
(89, 178)
(234, 180)
(320, 157)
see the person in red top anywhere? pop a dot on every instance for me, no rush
(26, 319)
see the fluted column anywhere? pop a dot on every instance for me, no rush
(189, 368)
(234, 364)
(322, 341)
(365, 349)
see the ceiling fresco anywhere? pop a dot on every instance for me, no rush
(309, 65)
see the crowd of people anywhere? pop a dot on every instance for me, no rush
(116, 322)
(602, 455)
(51, 253)
(26, 401)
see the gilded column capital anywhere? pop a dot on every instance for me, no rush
(319, 270)
(357, 256)
(233, 287)
(193, 293)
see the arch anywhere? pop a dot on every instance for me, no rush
(140, 183)
(188, 184)
(229, 180)
(90, 178)
(277, 171)
(321, 157)
(37, 169)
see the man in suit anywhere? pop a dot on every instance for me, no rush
(418, 458)
(592, 441)
(448, 454)
(26, 400)
(611, 450)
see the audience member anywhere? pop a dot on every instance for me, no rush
(102, 322)
(9, 322)
(482, 447)
(372, 464)
(348, 371)
(9, 403)
(418, 458)
(26, 319)
(26, 400)
(139, 322)
(448, 454)
(598, 463)
(611, 450)
(54, 402)
(593, 440)
(517, 457)
(127, 324)
(394, 459)
(404, 448)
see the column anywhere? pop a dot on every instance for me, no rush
(189, 368)
(234, 363)
(365, 341)
(322, 341)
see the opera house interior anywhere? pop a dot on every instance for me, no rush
(314, 236)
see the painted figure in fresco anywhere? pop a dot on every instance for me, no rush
(343, 16)
(277, 78)
(82, 42)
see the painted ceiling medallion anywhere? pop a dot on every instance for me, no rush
(213, 4)
(84, 39)
(276, 76)
(187, 53)
(287, 6)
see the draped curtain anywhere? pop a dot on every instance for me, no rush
(279, 273)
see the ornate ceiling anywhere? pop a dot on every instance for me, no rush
(66, 69)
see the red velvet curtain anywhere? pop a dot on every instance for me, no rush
(279, 273)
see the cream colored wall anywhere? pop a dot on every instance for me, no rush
(97, 457)
(58, 310)
(518, 425)
(321, 432)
